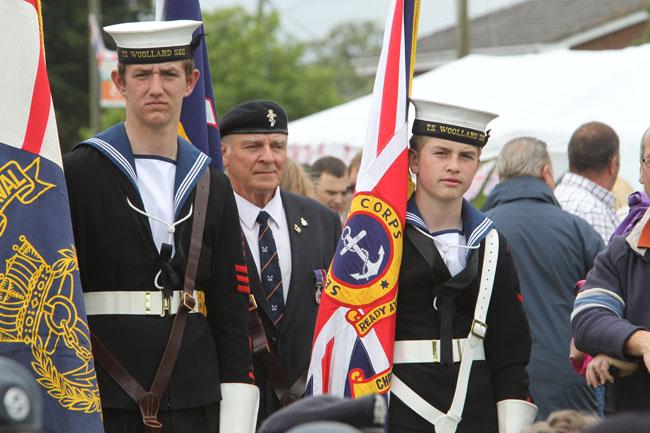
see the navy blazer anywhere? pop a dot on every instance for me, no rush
(312, 248)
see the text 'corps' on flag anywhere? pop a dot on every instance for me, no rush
(352, 350)
(198, 114)
(42, 317)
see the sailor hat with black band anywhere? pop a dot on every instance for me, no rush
(148, 42)
(451, 122)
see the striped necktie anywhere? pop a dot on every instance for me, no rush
(270, 273)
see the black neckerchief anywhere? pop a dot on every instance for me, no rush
(446, 287)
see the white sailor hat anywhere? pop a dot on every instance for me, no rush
(451, 122)
(153, 41)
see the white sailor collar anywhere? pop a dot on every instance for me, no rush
(248, 211)
(475, 224)
(190, 161)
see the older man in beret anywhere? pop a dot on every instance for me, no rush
(290, 241)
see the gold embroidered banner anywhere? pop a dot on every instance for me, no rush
(19, 183)
(37, 309)
(363, 323)
(377, 384)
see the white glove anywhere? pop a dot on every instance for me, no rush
(238, 408)
(515, 415)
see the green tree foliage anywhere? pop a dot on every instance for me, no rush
(66, 47)
(343, 44)
(248, 60)
(65, 27)
(121, 11)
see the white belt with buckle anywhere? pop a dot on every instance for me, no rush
(423, 351)
(470, 349)
(151, 303)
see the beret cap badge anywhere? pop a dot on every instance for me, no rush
(271, 116)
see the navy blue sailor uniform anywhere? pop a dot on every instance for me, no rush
(437, 306)
(117, 252)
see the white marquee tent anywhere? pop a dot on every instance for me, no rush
(545, 95)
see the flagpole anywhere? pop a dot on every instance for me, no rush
(462, 29)
(352, 349)
(93, 74)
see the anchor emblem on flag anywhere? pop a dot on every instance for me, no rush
(370, 268)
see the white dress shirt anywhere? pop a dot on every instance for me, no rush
(248, 213)
(156, 184)
(450, 245)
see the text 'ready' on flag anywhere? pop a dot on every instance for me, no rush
(42, 317)
(198, 114)
(353, 341)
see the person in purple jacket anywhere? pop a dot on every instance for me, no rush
(611, 315)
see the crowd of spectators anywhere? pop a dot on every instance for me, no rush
(556, 233)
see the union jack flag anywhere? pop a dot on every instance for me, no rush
(198, 114)
(42, 315)
(352, 350)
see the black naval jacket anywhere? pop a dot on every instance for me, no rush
(116, 251)
(312, 248)
(507, 343)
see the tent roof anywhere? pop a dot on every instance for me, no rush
(545, 95)
(534, 22)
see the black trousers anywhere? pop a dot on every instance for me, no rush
(194, 420)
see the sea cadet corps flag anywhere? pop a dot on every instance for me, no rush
(42, 317)
(352, 350)
(198, 115)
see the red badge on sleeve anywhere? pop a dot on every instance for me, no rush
(242, 279)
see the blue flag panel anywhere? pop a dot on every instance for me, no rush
(42, 317)
(199, 114)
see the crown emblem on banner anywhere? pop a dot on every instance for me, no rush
(37, 309)
(22, 293)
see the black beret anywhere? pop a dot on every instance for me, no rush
(254, 117)
(20, 399)
(368, 411)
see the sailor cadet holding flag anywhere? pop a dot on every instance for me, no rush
(160, 254)
(462, 339)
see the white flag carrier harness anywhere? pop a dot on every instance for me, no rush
(473, 350)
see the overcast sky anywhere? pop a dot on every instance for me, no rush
(309, 19)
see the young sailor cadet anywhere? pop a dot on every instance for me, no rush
(462, 339)
(160, 254)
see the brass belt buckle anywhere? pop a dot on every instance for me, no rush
(188, 301)
(434, 347)
(166, 305)
(147, 302)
